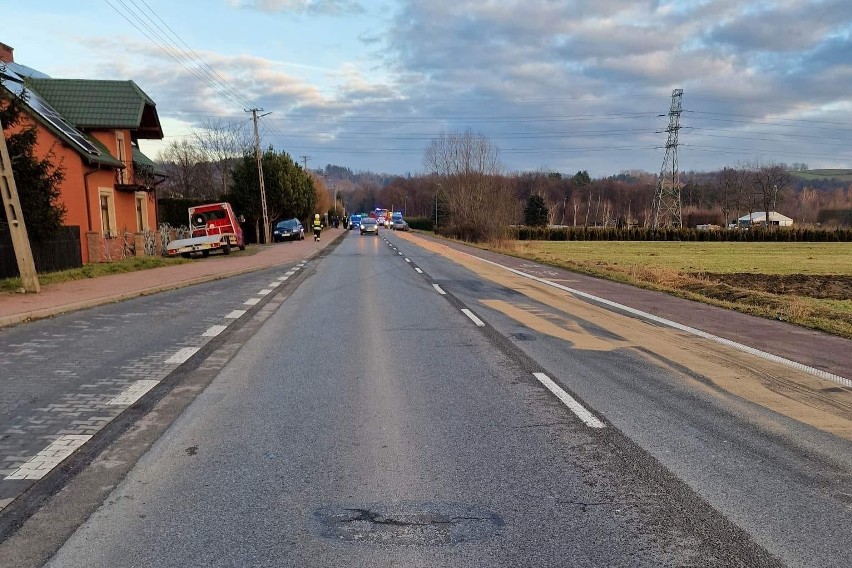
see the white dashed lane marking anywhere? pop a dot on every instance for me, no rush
(407, 260)
(236, 314)
(418, 271)
(473, 318)
(133, 393)
(251, 301)
(282, 278)
(215, 330)
(587, 417)
(182, 355)
(274, 284)
(438, 288)
(49, 457)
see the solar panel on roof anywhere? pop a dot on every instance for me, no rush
(12, 82)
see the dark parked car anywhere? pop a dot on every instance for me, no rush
(399, 224)
(369, 225)
(289, 230)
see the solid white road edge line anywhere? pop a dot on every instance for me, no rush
(473, 318)
(685, 328)
(182, 355)
(50, 457)
(438, 288)
(587, 417)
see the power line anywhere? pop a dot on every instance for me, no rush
(167, 47)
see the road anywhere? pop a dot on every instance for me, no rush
(361, 417)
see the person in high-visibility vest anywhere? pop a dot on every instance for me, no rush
(317, 227)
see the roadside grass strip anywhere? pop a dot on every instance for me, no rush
(251, 302)
(439, 289)
(473, 318)
(182, 356)
(681, 327)
(236, 314)
(50, 457)
(133, 393)
(578, 409)
(214, 330)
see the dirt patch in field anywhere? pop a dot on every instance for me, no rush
(833, 287)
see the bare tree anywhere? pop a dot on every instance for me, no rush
(479, 199)
(769, 183)
(188, 172)
(222, 143)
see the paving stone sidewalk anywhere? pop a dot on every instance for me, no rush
(80, 294)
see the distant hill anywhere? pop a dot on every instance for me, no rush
(815, 175)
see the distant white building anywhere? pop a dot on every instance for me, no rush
(758, 218)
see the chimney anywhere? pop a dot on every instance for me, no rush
(6, 53)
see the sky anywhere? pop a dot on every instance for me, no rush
(555, 85)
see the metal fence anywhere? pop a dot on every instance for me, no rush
(60, 252)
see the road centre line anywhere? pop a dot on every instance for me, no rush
(215, 330)
(473, 318)
(182, 355)
(681, 327)
(400, 253)
(407, 260)
(236, 314)
(418, 270)
(587, 417)
(50, 457)
(438, 288)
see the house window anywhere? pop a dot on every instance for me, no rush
(141, 211)
(123, 174)
(107, 204)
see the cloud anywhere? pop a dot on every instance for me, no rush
(327, 7)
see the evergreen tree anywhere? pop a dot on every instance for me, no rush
(535, 212)
(37, 179)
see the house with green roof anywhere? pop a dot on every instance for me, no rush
(91, 130)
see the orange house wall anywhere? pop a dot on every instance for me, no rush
(73, 188)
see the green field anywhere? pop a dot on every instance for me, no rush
(809, 284)
(841, 175)
(692, 257)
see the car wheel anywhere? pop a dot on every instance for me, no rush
(242, 247)
(226, 249)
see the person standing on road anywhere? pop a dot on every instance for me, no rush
(317, 227)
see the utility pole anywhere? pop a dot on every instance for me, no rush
(305, 161)
(667, 203)
(266, 236)
(15, 217)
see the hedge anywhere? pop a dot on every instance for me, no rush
(784, 234)
(421, 223)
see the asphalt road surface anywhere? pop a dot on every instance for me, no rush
(368, 419)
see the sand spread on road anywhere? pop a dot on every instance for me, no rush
(798, 395)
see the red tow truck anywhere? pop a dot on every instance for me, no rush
(214, 228)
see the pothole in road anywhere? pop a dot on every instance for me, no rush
(408, 523)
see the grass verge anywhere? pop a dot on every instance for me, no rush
(131, 264)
